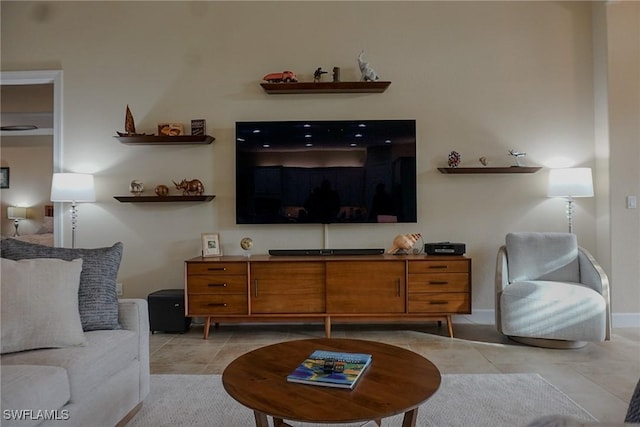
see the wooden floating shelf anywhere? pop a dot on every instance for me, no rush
(509, 169)
(163, 199)
(328, 87)
(165, 140)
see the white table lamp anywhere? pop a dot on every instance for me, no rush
(16, 213)
(570, 183)
(74, 188)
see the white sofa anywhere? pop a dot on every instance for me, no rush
(100, 384)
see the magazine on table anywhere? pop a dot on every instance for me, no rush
(331, 369)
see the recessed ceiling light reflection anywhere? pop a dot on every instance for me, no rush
(256, 131)
(266, 145)
(353, 144)
(362, 125)
(358, 135)
(308, 144)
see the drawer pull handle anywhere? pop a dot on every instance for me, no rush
(219, 304)
(217, 268)
(436, 282)
(217, 285)
(255, 290)
(438, 266)
(438, 302)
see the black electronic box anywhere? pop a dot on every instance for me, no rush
(445, 248)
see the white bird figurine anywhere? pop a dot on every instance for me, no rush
(517, 155)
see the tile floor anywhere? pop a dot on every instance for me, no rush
(600, 377)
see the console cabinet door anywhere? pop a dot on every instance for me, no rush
(365, 287)
(287, 287)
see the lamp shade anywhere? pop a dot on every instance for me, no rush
(16, 212)
(72, 187)
(570, 182)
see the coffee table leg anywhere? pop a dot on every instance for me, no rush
(410, 418)
(279, 422)
(261, 419)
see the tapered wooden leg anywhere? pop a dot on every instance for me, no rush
(450, 325)
(327, 327)
(279, 422)
(410, 418)
(207, 325)
(261, 419)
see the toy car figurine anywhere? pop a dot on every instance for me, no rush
(285, 76)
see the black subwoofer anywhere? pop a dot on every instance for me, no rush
(166, 311)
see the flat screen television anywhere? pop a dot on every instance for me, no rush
(322, 172)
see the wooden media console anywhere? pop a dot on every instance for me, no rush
(341, 288)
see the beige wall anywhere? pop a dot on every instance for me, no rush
(480, 78)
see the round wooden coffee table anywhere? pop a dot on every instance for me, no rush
(398, 381)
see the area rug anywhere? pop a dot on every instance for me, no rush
(463, 400)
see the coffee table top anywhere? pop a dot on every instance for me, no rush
(397, 381)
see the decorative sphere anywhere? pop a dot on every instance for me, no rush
(162, 190)
(246, 243)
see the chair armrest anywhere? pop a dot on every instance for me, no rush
(501, 282)
(594, 276)
(134, 316)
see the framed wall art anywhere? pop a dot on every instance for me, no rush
(211, 244)
(4, 177)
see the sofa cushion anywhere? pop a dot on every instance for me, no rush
(97, 298)
(553, 310)
(543, 256)
(40, 304)
(106, 353)
(34, 388)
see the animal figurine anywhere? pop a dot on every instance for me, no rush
(517, 155)
(136, 187)
(188, 187)
(368, 73)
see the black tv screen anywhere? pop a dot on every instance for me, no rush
(322, 172)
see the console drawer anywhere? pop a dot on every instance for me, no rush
(217, 268)
(439, 266)
(217, 304)
(444, 302)
(439, 282)
(218, 284)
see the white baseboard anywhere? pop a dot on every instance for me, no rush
(487, 317)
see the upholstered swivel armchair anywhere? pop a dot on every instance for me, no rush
(550, 292)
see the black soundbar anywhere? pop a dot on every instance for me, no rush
(324, 252)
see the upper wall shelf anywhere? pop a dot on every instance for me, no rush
(327, 87)
(165, 140)
(26, 124)
(509, 169)
(163, 199)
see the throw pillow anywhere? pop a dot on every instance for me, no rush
(97, 298)
(40, 304)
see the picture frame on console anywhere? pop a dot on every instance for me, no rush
(211, 245)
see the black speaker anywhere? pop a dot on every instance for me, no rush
(166, 311)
